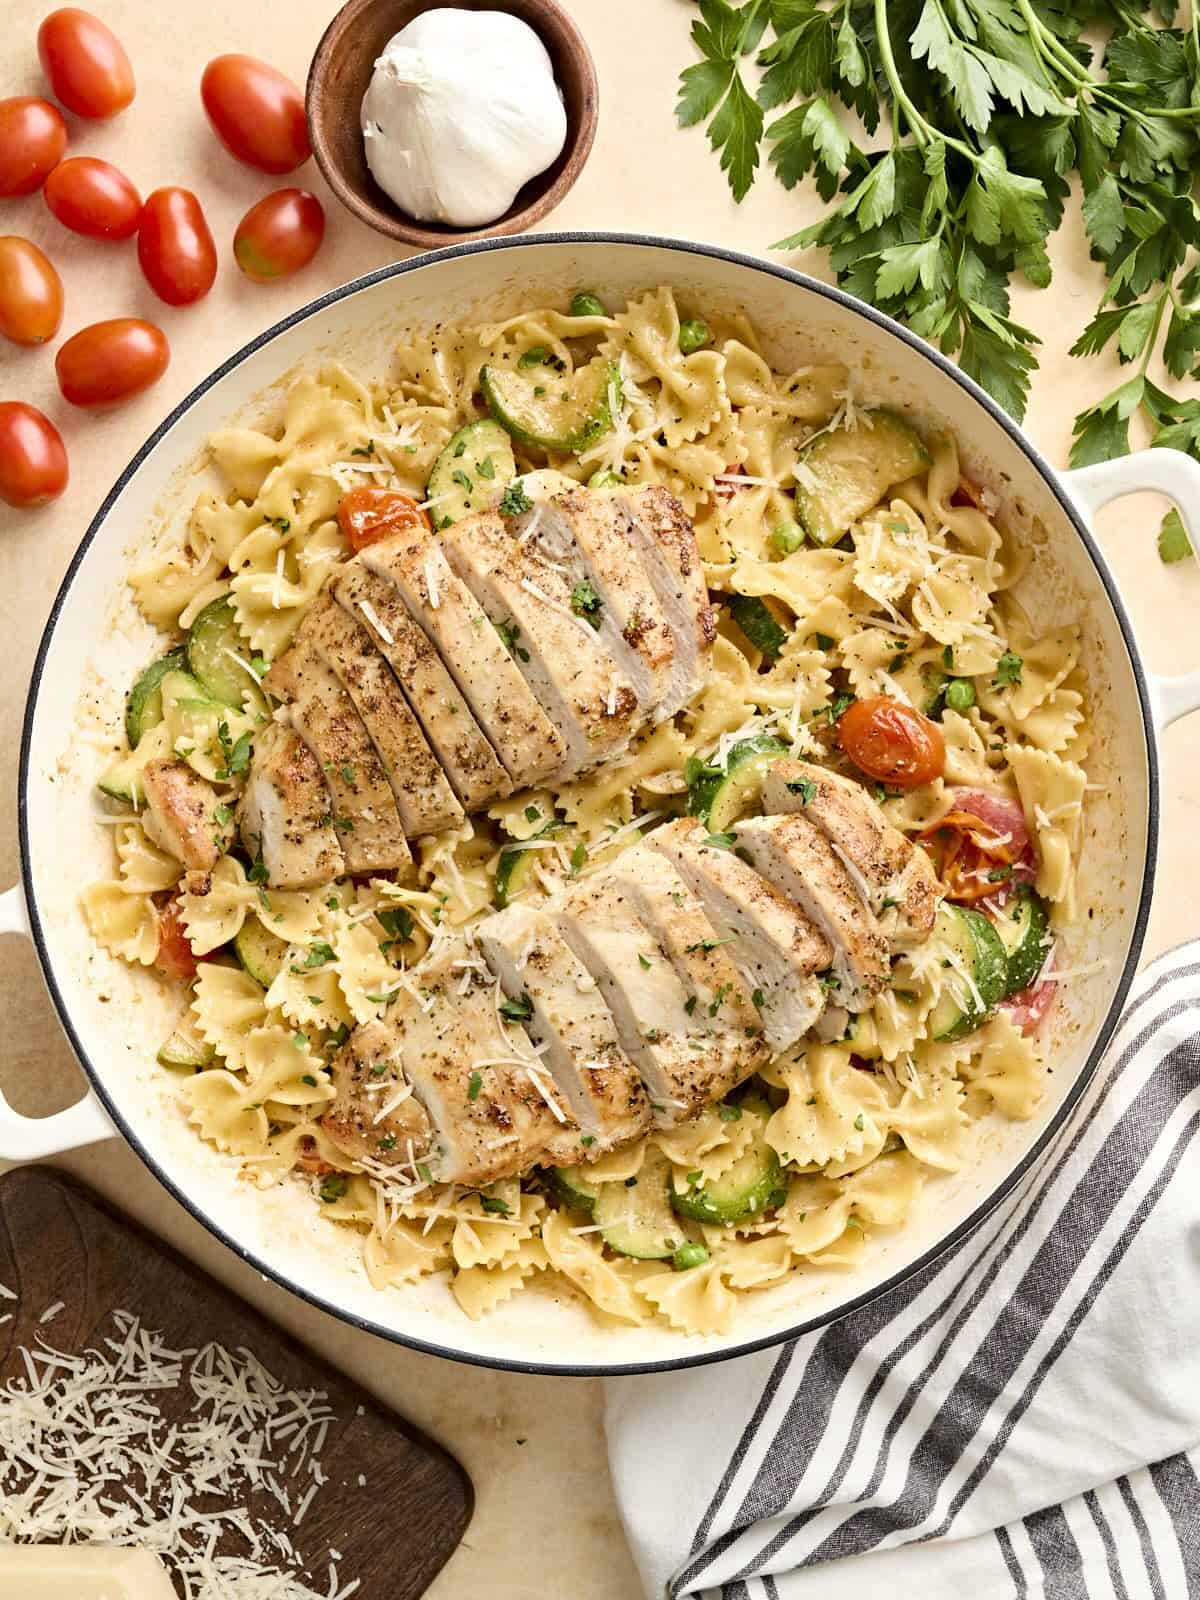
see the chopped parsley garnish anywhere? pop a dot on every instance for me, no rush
(858, 1123)
(348, 773)
(536, 356)
(519, 1010)
(643, 963)
(758, 999)
(1008, 669)
(236, 753)
(459, 477)
(319, 955)
(730, 1113)
(474, 1085)
(719, 841)
(827, 980)
(486, 468)
(999, 874)
(397, 923)
(367, 449)
(824, 641)
(424, 1173)
(709, 944)
(588, 1140)
(494, 1206)
(689, 1005)
(585, 603)
(343, 824)
(948, 658)
(333, 1187)
(532, 814)
(222, 815)
(388, 1142)
(309, 1079)
(577, 858)
(510, 634)
(300, 1040)
(718, 999)
(514, 500)
(806, 788)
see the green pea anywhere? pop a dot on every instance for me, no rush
(960, 694)
(586, 304)
(604, 479)
(689, 1255)
(693, 335)
(788, 536)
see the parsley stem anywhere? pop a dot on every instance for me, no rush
(923, 132)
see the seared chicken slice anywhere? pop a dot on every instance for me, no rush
(284, 815)
(376, 1117)
(470, 763)
(772, 943)
(424, 799)
(588, 533)
(726, 1032)
(793, 854)
(323, 714)
(179, 815)
(578, 684)
(661, 532)
(568, 1021)
(492, 1100)
(503, 704)
(894, 875)
(644, 993)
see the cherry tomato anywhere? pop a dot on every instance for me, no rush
(31, 293)
(85, 62)
(368, 514)
(33, 462)
(93, 197)
(33, 137)
(108, 362)
(1027, 1007)
(892, 743)
(175, 247)
(279, 235)
(175, 957)
(256, 112)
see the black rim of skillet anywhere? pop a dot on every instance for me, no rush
(1104, 1032)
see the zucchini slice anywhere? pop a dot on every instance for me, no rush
(973, 948)
(260, 951)
(143, 707)
(1023, 928)
(751, 1186)
(214, 640)
(846, 472)
(471, 473)
(758, 622)
(514, 870)
(721, 798)
(186, 1051)
(573, 1186)
(635, 1216)
(544, 412)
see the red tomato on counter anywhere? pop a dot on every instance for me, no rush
(85, 62)
(108, 362)
(367, 515)
(174, 957)
(175, 247)
(33, 137)
(279, 235)
(892, 743)
(31, 293)
(33, 461)
(256, 112)
(93, 197)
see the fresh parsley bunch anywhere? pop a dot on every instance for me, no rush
(988, 106)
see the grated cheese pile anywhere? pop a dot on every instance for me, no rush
(87, 1456)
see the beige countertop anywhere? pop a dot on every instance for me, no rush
(545, 1519)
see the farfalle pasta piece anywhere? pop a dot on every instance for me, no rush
(274, 584)
(814, 1214)
(966, 754)
(933, 1123)
(868, 658)
(755, 1263)
(892, 553)
(709, 1145)
(845, 1251)
(801, 581)
(488, 1239)
(125, 924)
(952, 602)
(810, 394)
(453, 867)
(227, 1005)
(302, 1143)
(224, 1112)
(402, 1254)
(884, 1194)
(833, 1109)
(693, 398)
(365, 975)
(1051, 792)
(144, 867)
(1007, 1066)
(306, 990)
(281, 1067)
(215, 917)
(695, 1301)
(479, 1290)
(579, 1259)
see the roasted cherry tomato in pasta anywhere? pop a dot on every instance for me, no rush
(256, 112)
(33, 460)
(85, 62)
(368, 514)
(892, 743)
(279, 235)
(175, 957)
(31, 293)
(111, 361)
(175, 247)
(33, 137)
(93, 197)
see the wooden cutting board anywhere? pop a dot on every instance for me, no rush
(60, 1242)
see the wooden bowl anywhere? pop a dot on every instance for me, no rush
(338, 78)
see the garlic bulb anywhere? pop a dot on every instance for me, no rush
(462, 109)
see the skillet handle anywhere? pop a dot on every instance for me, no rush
(30, 1138)
(1177, 476)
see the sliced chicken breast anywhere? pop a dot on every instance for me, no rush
(285, 814)
(726, 1030)
(493, 1102)
(460, 744)
(588, 699)
(503, 704)
(424, 799)
(179, 815)
(588, 534)
(376, 1117)
(662, 533)
(569, 1022)
(797, 858)
(895, 876)
(644, 993)
(323, 714)
(772, 943)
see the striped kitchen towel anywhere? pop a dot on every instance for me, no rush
(1023, 1418)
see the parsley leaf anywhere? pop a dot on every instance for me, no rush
(585, 603)
(519, 1010)
(1009, 669)
(514, 500)
(1173, 542)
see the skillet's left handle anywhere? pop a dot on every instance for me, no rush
(1177, 476)
(29, 1138)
